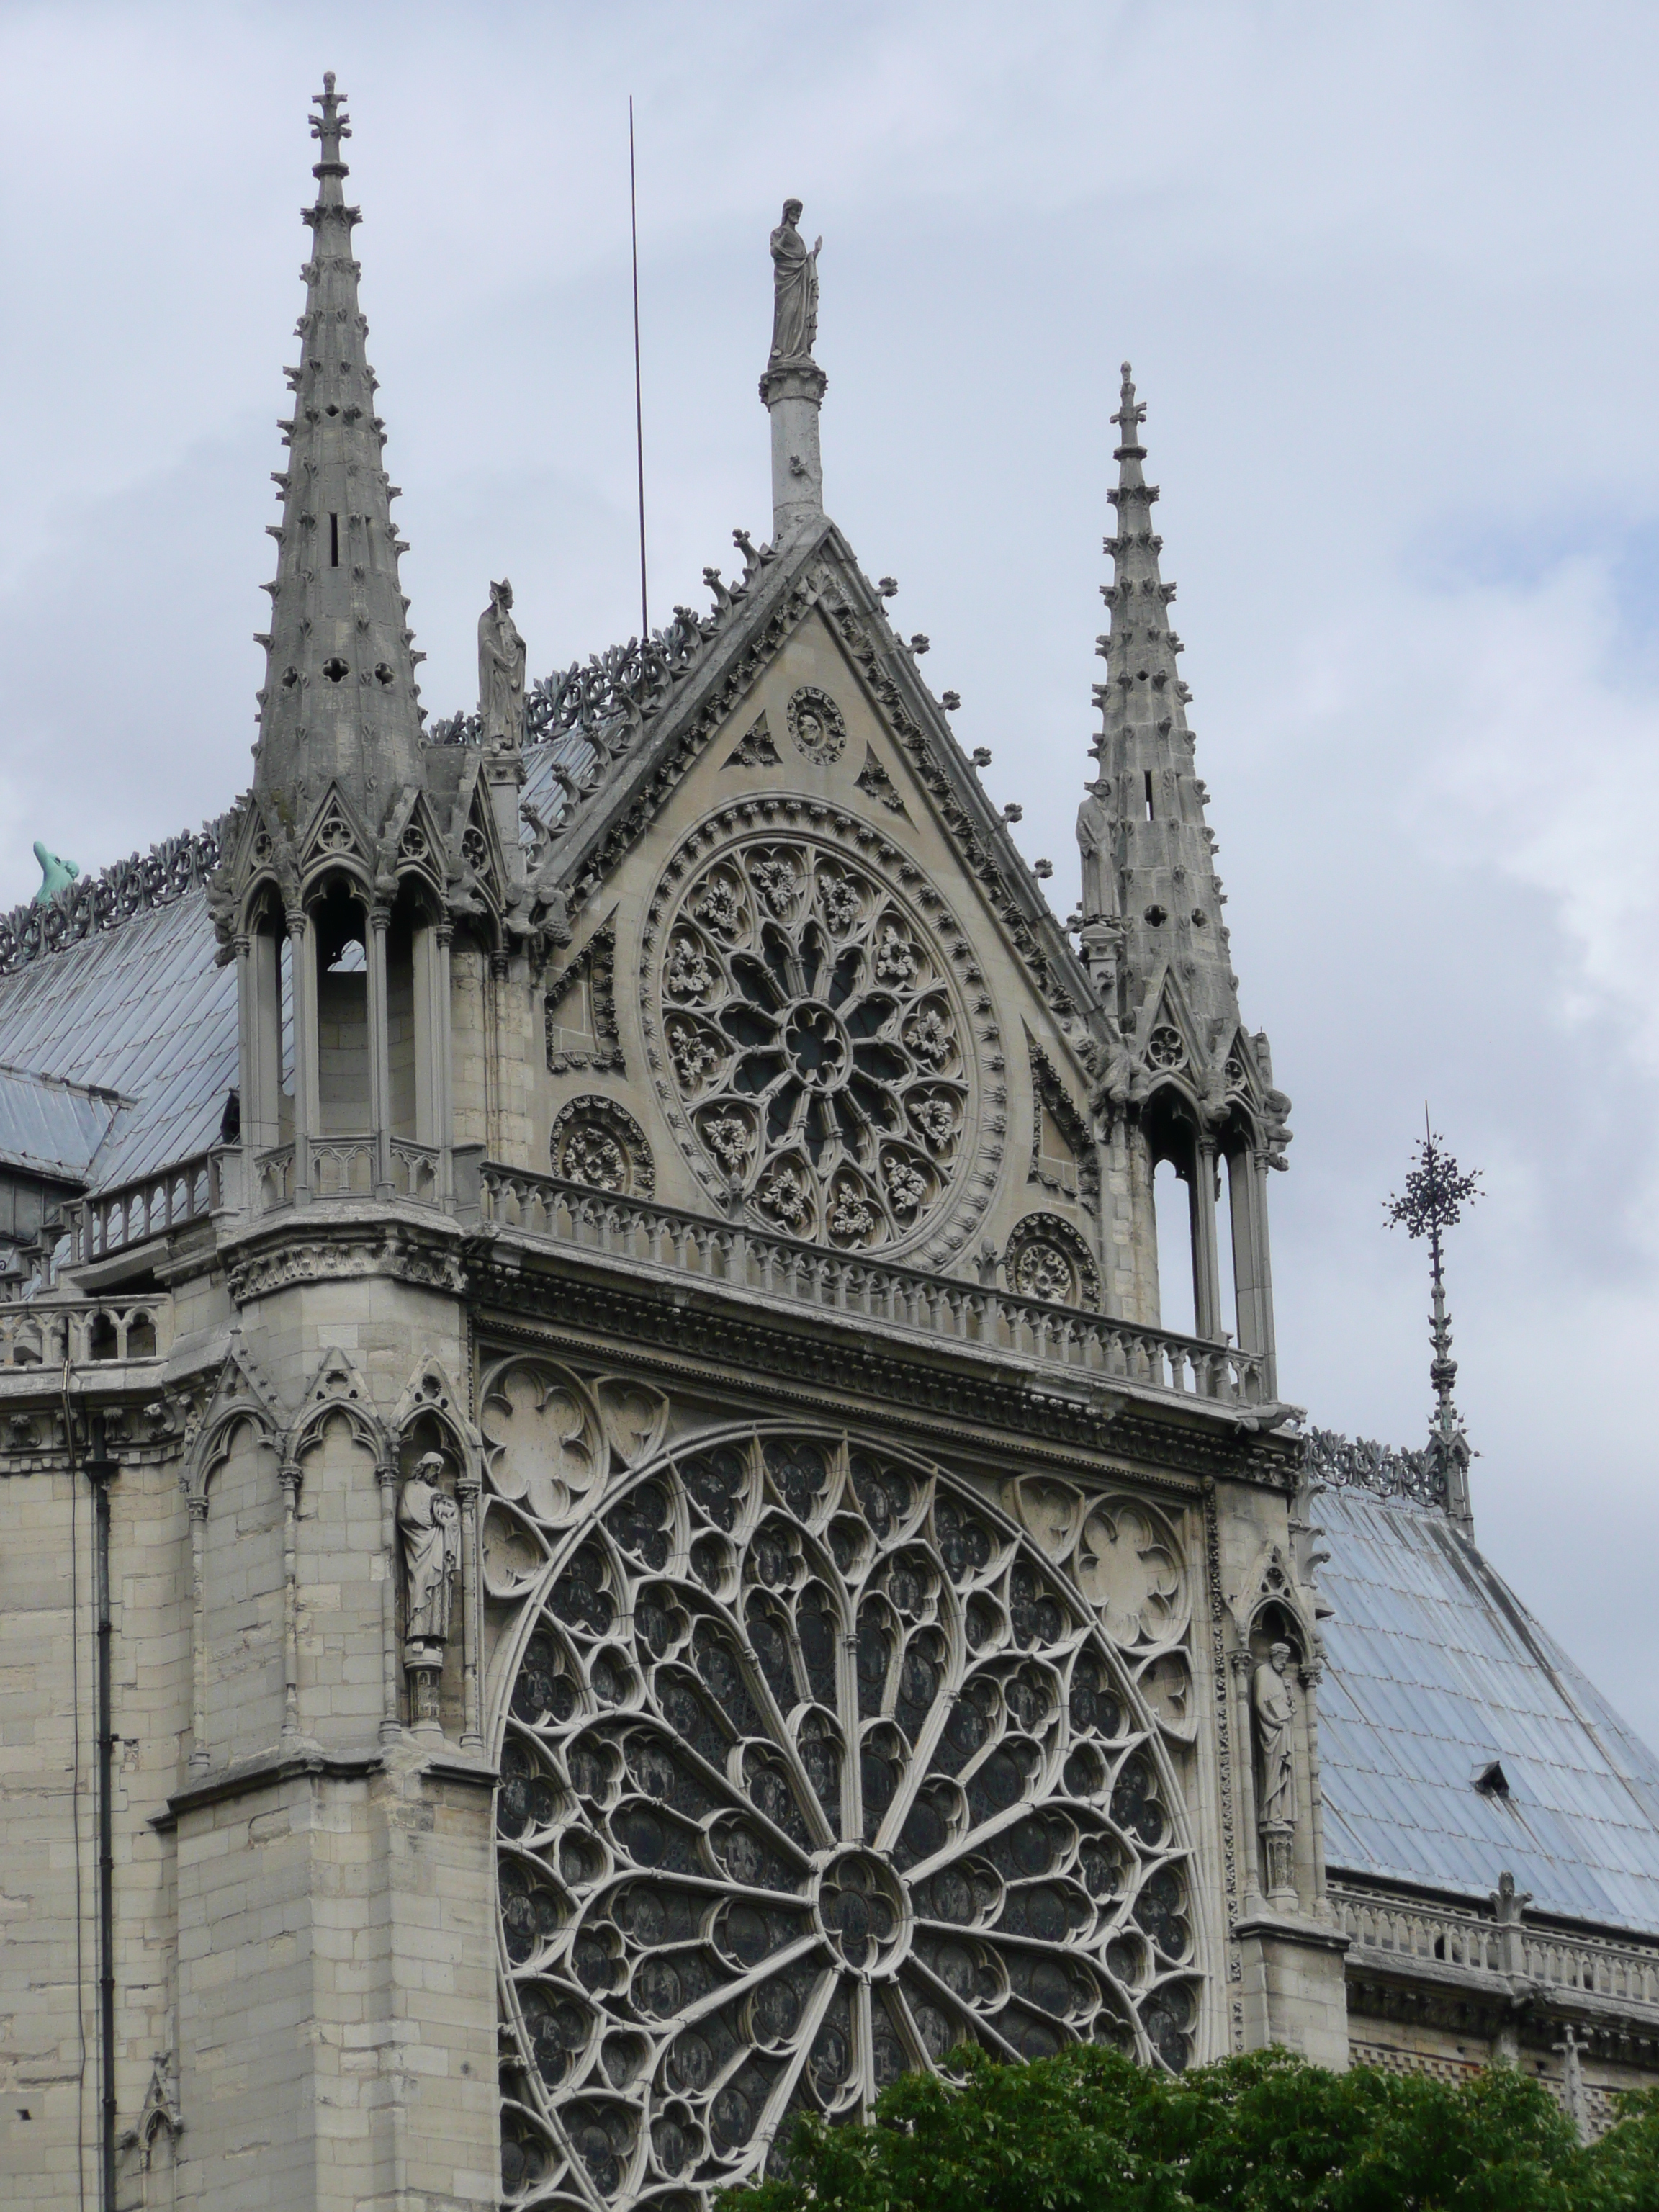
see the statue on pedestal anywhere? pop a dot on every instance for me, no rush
(795, 299)
(501, 655)
(430, 1523)
(1274, 1712)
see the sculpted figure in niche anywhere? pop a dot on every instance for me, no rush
(795, 295)
(1275, 1721)
(430, 1525)
(1095, 838)
(501, 655)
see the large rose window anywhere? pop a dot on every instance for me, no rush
(813, 1769)
(814, 1042)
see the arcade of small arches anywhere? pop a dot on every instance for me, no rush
(345, 1040)
(1187, 1152)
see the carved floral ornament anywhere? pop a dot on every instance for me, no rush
(812, 1766)
(815, 1051)
(597, 1141)
(1046, 1258)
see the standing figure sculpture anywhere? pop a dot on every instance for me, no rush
(795, 298)
(1096, 837)
(430, 1523)
(1275, 1730)
(501, 655)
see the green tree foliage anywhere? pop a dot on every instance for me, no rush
(1087, 2131)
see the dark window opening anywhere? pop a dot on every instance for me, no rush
(1149, 794)
(334, 541)
(335, 670)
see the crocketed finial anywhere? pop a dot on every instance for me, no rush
(330, 128)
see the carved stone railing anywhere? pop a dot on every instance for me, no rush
(1356, 1463)
(344, 1167)
(1426, 1933)
(415, 1172)
(273, 1173)
(1592, 1964)
(685, 1247)
(1395, 1930)
(111, 1221)
(84, 1332)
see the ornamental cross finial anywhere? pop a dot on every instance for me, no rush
(331, 126)
(1131, 413)
(1436, 1191)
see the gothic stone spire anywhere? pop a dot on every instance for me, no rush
(1153, 931)
(339, 699)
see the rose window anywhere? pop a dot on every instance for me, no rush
(815, 1044)
(813, 1770)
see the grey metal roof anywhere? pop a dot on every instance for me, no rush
(52, 1127)
(140, 1009)
(1436, 1669)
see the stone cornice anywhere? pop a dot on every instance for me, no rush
(302, 1248)
(703, 1337)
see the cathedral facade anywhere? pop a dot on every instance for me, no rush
(602, 1542)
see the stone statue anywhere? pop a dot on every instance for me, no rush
(795, 301)
(501, 655)
(430, 1524)
(1096, 839)
(1275, 1720)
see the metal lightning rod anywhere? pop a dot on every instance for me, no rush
(639, 406)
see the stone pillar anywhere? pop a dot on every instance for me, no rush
(1207, 1263)
(1264, 1274)
(304, 980)
(444, 1065)
(259, 1041)
(467, 1487)
(794, 395)
(290, 1602)
(385, 1475)
(1312, 1673)
(380, 1051)
(200, 1757)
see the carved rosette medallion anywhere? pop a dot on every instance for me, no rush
(597, 1141)
(1046, 1258)
(812, 1768)
(815, 1048)
(816, 724)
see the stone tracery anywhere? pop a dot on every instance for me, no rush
(864, 1781)
(816, 1042)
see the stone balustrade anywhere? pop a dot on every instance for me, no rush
(112, 1219)
(1592, 1965)
(1396, 1930)
(84, 1332)
(1389, 1928)
(661, 1239)
(344, 1167)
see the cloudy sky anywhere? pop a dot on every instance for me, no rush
(1387, 273)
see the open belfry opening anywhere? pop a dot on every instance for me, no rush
(644, 1479)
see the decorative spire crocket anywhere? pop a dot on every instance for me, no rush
(340, 701)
